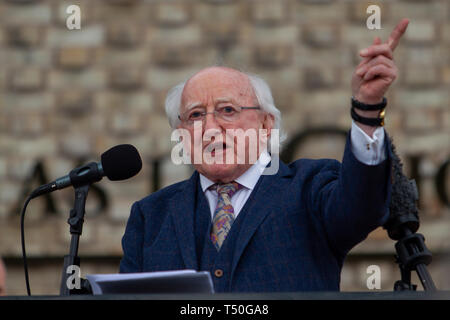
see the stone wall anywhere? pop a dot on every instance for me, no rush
(68, 95)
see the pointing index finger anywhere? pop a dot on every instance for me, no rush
(397, 33)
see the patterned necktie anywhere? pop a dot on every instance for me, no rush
(224, 212)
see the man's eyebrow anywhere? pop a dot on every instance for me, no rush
(193, 105)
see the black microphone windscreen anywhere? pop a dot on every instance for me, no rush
(403, 211)
(121, 162)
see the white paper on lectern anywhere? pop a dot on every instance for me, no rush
(186, 281)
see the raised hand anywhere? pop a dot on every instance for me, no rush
(377, 70)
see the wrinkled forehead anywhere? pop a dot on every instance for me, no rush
(212, 85)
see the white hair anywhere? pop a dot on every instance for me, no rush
(262, 92)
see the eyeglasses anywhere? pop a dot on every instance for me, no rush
(227, 113)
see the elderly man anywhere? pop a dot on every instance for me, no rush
(256, 232)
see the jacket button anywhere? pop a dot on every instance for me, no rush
(218, 273)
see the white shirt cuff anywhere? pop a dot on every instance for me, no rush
(367, 150)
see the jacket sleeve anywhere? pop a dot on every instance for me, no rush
(132, 242)
(352, 199)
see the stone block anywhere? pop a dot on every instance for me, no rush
(38, 147)
(420, 77)
(269, 12)
(280, 35)
(124, 122)
(421, 55)
(91, 36)
(164, 79)
(313, 11)
(18, 57)
(159, 134)
(126, 78)
(175, 56)
(429, 198)
(320, 77)
(341, 57)
(283, 82)
(321, 35)
(120, 209)
(421, 32)
(273, 56)
(3, 167)
(123, 35)
(425, 143)
(9, 195)
(421, 120)
(171, 14)
(138, 101)
(113, 57)
(446, 75)
(27, 79)
(421, 99)
(324, 102)
(38, 101)
(140, 11)
(37, 13)
(183, 35)
(25, 36)
(223, 12)
(74, 103)
(3, 80)
(225, 34)
(123, 2)
(446, 118)
(358, 36)
(87, 79)
(417, 10)
(28, 124)
(445, 32)
(73, 58)
(75, 145)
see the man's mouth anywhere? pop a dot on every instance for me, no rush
(215, 147)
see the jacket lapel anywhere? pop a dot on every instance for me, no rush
(182, 210)
(258, 209)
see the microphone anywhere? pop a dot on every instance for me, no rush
(118, 163)
(403, 211)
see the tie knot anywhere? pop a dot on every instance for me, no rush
(227, 188)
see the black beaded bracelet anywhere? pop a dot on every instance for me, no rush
(373, 122)
(369, 107)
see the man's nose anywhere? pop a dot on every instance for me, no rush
(210, 121)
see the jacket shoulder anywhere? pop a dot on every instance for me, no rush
(313, 166)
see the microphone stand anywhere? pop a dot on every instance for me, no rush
(403, 222)
(412, 254)
(75, 221)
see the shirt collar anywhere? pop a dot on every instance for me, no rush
(249, 178)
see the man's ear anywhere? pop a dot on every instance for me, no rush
(268, 123)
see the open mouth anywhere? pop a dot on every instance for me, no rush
(215, 147)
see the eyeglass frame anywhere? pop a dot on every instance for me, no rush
(214, 112)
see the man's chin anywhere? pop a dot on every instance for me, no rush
(222, 172)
